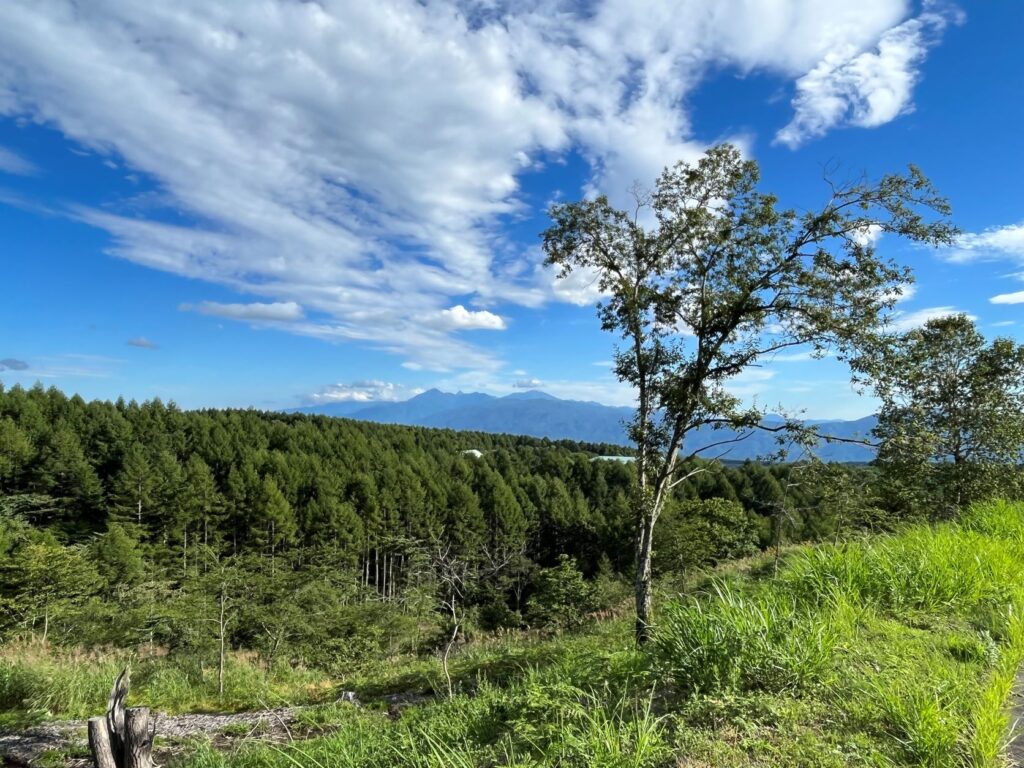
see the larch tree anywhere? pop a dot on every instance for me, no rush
(706, 276)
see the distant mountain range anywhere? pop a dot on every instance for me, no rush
(538, 414)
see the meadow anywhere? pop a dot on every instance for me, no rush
(889, 650)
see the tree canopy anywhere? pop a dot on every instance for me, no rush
(706, 276)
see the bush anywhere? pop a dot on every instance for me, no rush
(698, 533)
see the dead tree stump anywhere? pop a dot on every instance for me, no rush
(121, 739)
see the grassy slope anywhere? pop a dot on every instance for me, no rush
(895, 651)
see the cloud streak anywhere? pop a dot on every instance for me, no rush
(10, 162)
(366, 391)
(908, 321)
(363, 179)
(280, 312)
(864, 89)
(1016, 297)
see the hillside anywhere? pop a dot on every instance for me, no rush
(908, 660)
(538, 414)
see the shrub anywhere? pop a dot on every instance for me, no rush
(562, 598)
(698, 532)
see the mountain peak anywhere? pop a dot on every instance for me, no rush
(530, 394)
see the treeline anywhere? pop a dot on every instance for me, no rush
(99, 500)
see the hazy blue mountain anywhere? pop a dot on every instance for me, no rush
(423, 406)
(530, 394)
(550, 417)
(539, 414)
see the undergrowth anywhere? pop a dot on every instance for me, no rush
(889, 651)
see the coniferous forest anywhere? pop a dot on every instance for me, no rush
(119, 518)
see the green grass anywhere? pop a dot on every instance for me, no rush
(38, 683)
(891, 651)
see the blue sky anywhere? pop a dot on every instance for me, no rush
(280, 203)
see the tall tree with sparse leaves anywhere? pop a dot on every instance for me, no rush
(706, 276)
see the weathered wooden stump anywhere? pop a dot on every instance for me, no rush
(121, 739)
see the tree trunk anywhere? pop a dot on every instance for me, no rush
(99, 743)
(220, 662)
(448, 648)
(643, 579)
(138, 739)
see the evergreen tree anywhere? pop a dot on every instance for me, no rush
(132, 497)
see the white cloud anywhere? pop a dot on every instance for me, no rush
(357, 159)
(11, 162)
(901, 293)
(366, 391)
(792, 357)
(906, 321)
(58, 367)
(579, 287)
(905, 292)
(142, 343)
(281, 311)
(995, 243)
(528, 384)
(869, 235)
(864, 88)
(1008, 298)
(458, 318)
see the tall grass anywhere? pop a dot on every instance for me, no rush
(46, 681)
(756, 640)
(917, 635)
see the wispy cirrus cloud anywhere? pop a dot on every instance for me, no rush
(70, 365)
(1003, 242)
(276, 312)
(364, 177)
(1017, 297)
(11, 162)
(907, 321)
(865, 88)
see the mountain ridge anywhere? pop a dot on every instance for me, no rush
(539, 414)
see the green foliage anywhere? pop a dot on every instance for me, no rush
(43, 581)
(917, 636)
(744, 642)
(562, 598)
(698, 533)
(952, 416)
(723, 264)
(72, 684)
(117, 557)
